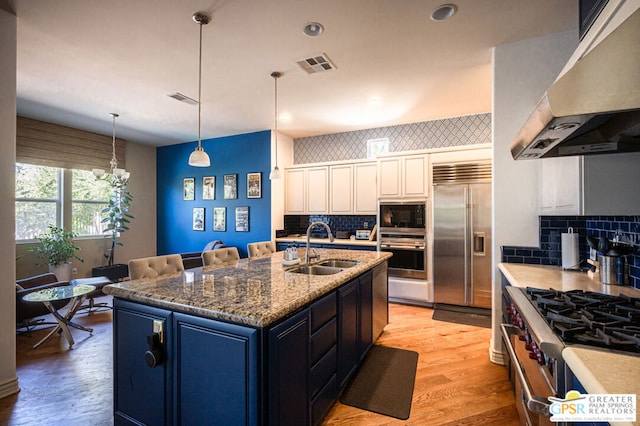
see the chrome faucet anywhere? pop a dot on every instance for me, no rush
(307, 254)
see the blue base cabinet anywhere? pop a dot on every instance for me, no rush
(142, 394)
(214, 372)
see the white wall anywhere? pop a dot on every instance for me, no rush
(522, 72)
(285, 159)
(8, 379)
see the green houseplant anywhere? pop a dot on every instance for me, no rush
(116, 214)
(57, 249)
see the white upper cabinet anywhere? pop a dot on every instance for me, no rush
(317, 194)
(306, 190)
(341, 189)
(595, 185)
(403, 176)
(364, 182)
(295, 191)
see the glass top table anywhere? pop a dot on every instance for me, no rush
(76, 293)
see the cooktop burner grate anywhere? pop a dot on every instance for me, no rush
(590, 318)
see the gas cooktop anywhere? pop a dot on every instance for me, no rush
(590, 318)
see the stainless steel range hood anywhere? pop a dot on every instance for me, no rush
(593, 108)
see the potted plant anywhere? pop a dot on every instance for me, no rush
(57, 249)
(117, 218)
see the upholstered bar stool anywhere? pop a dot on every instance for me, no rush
(262, 248)
(98, 283)
(218, 256)
(151, 267)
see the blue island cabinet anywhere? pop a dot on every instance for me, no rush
(208, 373)
(214, 372)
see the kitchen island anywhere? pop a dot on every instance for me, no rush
(596, 370)
(248, 342)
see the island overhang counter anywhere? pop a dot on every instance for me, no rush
(247, 342)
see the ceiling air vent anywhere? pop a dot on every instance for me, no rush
(183, 98)
(316, 63)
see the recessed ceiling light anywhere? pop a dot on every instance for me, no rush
(313, 29)
(443, 12)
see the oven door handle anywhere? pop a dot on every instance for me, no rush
(402, 247)
(534, 403)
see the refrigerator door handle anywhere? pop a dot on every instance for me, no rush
(467, 257)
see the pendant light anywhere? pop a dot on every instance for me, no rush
(199, 158)
(276, 173)
(120, 174)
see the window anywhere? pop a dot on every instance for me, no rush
(88, 197)
(40, 201)
(376, 147)
(37, 200)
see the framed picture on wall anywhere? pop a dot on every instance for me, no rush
(230, 187)
(198, 219)
(209, 188)
(189, 189)
(219, 218)
(242, 219)
(254, 185)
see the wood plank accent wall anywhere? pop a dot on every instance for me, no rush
(47, 144)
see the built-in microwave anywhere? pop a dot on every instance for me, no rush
(403, 214)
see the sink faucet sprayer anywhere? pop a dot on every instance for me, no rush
(307, 256)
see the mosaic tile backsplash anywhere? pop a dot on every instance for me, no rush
(551, 228)
(298, 224)
(467, 130)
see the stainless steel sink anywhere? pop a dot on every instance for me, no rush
(339, 263)
(315, 270)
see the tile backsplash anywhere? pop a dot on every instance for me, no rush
(467, 130)
(551, 228)
(298, 224)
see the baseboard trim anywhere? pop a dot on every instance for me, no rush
(495, 356)
(9, 387)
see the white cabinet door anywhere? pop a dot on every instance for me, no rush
(561, 186)
(295, 193)
(317, 194)
(341, 189)
(365, 197)
(390, 177)
(415, 176)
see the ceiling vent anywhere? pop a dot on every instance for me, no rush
(316, 63)
(183, 98)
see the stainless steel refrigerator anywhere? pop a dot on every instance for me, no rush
(462, 234)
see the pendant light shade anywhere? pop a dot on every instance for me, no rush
(276, 173)
(199, 158)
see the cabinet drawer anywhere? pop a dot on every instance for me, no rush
(323, 339)
(322, 403)
(322, 311)
(322, 371)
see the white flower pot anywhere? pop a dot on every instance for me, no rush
(62, 271)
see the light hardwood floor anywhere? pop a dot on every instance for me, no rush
(456, 384)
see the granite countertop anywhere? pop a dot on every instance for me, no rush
(254, 292)
(346, 241)
(599, 370)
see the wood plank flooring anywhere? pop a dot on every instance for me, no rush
(456, 384)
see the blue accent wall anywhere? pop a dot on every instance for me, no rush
(239, 154)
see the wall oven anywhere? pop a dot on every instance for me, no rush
(403, 232)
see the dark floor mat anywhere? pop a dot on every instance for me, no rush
(463, 315)
(384, 383)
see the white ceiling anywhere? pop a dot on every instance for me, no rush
(80, 60)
